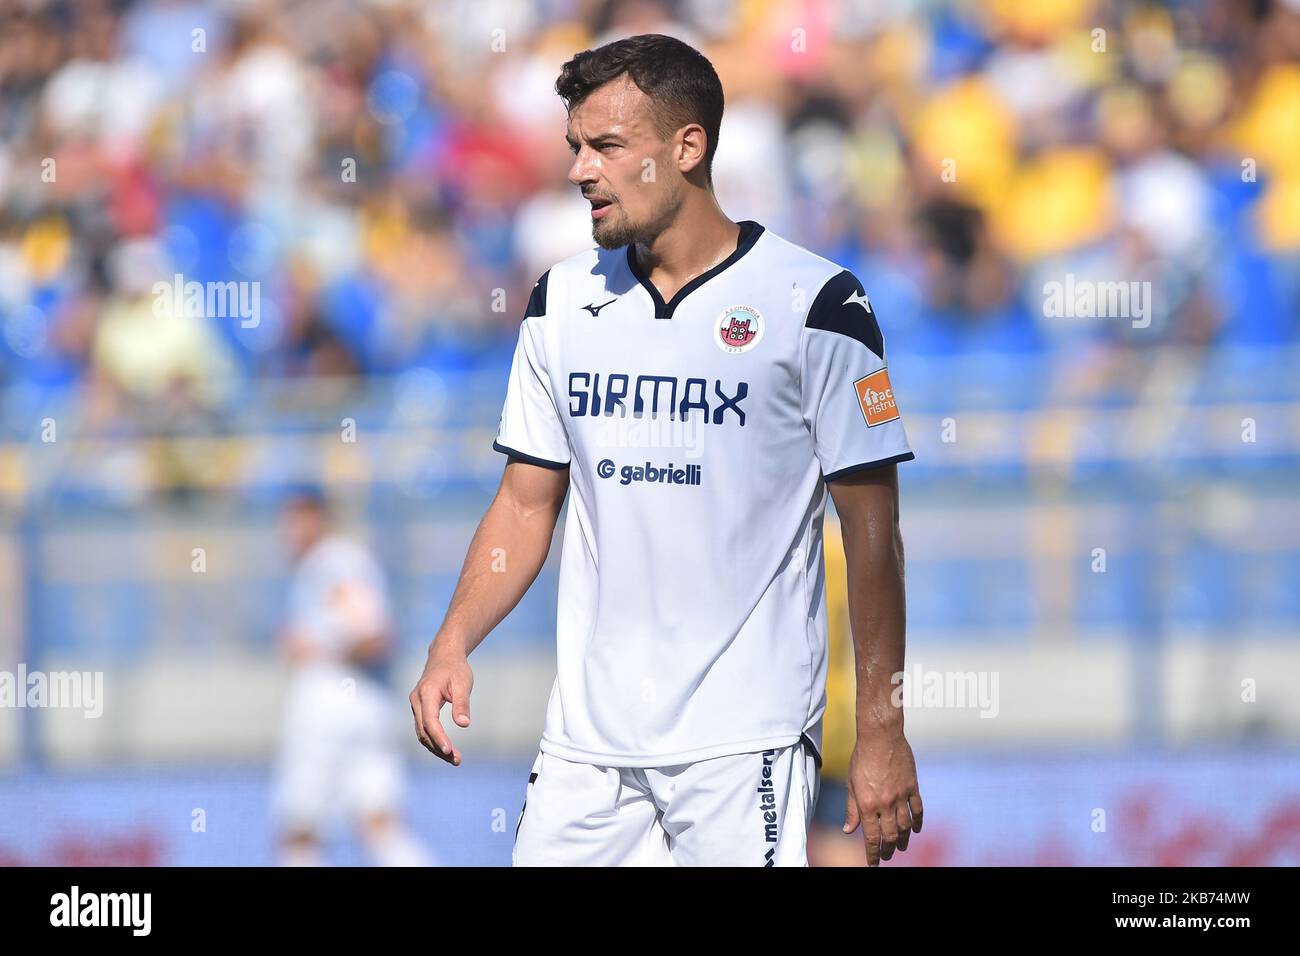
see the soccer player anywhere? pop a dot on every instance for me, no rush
(697, 387)
(339, 745)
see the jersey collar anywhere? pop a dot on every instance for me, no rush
(749, 233)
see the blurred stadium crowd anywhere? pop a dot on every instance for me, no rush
(392, 175)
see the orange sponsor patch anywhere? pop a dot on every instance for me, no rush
(876, 396)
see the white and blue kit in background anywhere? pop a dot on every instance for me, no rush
(340, 738)
(699, 434)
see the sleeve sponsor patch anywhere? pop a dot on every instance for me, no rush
(876, 397)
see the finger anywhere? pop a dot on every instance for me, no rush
(425, 742)
(871, 835)
(888, 835)
(447, 757)
(903, 817)
(914, 803)
(460, 705)
(443, 751)
(850, 815)
(414, 700)
(429, 711)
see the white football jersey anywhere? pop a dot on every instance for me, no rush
(699, 435)
(315, 616)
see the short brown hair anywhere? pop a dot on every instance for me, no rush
(678, 79)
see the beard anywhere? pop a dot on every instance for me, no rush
(617, 229)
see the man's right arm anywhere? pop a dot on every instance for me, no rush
(504, 558)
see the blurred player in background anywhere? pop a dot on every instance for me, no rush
(339, 750)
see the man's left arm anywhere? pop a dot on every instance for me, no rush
(884, 796)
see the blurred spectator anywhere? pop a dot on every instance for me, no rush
(392, 174)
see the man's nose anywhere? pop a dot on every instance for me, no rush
(583, 169)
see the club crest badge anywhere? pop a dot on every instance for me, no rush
(739, 329)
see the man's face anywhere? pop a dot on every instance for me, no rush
(303, 524)
(622, 165)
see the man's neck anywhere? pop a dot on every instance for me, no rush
(688, 248)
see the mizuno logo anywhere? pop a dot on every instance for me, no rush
(595, 309)
(861, 300)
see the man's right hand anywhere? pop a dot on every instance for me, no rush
(447, 679)
(520, 522)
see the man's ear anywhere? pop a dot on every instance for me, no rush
(693, 144)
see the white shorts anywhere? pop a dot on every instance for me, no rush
(339, 752)
(740, 810)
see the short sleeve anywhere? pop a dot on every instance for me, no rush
(848, 401)
(531, 428)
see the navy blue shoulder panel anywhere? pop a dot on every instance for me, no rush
(537, 301)
(842, 306)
